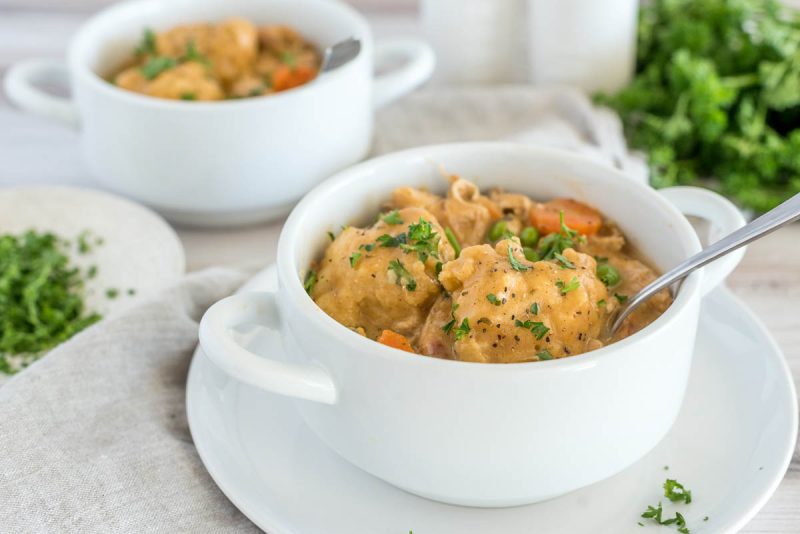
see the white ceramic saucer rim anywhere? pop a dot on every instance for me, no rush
(790, 445)
(778, 469)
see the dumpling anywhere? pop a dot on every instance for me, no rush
(385, 276)
(506, 309)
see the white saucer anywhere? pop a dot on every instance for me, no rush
(731, 445)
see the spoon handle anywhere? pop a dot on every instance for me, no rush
(772, 220)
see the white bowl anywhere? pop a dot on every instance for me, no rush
(470, 433)
(226, 162)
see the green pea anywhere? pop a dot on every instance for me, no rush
(530, 254)
(608, 274)
(529, 236)
(498, 230)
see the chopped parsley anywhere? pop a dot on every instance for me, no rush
(402, 276)
(147, 46)
(572, 285)
(608, 274)
(156, 65)
(565, 263)
(392, 241)
(515, 263)
(601, 303)
(463, 330)
(453, 240)
(535, 308)
(622, 299)
(449, 325)
(309, 281)
(188, 96)
(393, 217)
(537, 328)
(422, 240)
(84, 247)
(112, 293)
(192, 54)
(557, 242)
(544, 355)
(287, 58)
(333, 237)
(131, 291)
(491, 297)
(354, 257)
(674, 491)
(368, 246)
(41, 297)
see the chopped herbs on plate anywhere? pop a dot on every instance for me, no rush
(41, 296)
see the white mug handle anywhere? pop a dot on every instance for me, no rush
(418, 65)
(302, 381)
(21, 88)
(724, 217)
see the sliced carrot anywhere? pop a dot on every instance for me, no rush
(286, 77)
(578, 216)
(395, 340)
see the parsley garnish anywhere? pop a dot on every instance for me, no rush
(393, 217)
(535, 308)
(569, 286)
(674, 491)
(402, 274)
(112, 293)
(449, 325)
(188, 96)
(462, 330)
(422, 240)
(453, 240)
(368, 246)
(544, 355)
(491, 297)
(515, 263)
(601, 303)
(41, 297)
(537, 328)
(156, 66)
(390, 241)
(333, 237)
(354, 257)
(288, 58)
(565, 263)
(554, 243)
(148, 43)
(622, 299)
(192, 54)
(309, 281)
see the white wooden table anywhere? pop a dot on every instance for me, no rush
(34, 151)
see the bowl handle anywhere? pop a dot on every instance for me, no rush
(724, 217)
(303, 381)
(21, 88)
(418, 62)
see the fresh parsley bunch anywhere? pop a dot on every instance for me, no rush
(716, 97)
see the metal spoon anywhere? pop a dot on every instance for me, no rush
(340, 53)
(782, 215)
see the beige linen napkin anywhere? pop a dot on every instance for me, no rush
(94, 438)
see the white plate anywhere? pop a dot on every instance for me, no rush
(731, 445)
(139, 255)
